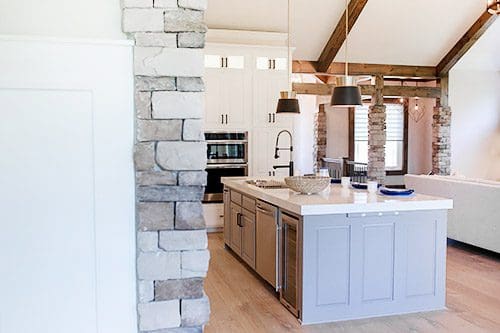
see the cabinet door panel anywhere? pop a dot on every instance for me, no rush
(235, 229)
(265, 251)
(213, 106)
(227, 217)
(236, 97)
(248, 238)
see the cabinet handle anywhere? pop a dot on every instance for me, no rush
(274, 63)
(264, 211)
(274, 117)
(269, 117)
(269, 173)
(270, 64)
(226, 118)
(274, 173)
(222, 119)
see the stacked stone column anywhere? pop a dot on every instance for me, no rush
(377, 133)
(441, 140)
(170, 159)
(320, 134)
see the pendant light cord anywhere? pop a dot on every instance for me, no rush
(288, 44)
(346, 40)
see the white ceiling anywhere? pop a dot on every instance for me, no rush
(411, 32)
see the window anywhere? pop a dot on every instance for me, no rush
(396, 137)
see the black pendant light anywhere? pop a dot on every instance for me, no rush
(288, 102)
(347, 93)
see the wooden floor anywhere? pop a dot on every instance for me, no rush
(240, 301)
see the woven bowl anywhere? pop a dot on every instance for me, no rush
(307, 184)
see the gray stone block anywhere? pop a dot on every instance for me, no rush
(182, 240)
(177, 105)
(156, 39)
(191, 40)
(142, 20)
(193, 130)
(148, 83)
(195, 311)
(190, 84)
(144, 156)
(193, 4)
(143, 104)
(169, 4)
(158, 130)
(178, 289)
(137, 3)
(159, 265)
(158, 61)
(156, 178)
(182, 156)
(147, 241)
(194, 263)
(189, 215)
(146, 291)
(184, 20)
(193, 178)
(159, 315)
(154, 216)
(169, 193)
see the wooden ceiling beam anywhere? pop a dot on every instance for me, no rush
(337, 38)
(395, 91)
(337, 68)
(465, 43)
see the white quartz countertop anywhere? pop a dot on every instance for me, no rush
(337, 200)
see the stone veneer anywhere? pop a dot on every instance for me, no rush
(170, 159)
(377, 134)
(441, 141)
(320, 136)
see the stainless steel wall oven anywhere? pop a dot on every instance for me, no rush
(227, 155)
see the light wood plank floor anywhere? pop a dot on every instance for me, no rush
(240, 302)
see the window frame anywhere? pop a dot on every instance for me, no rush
(405, 103)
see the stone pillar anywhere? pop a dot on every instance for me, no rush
(319, 136)
(376, 133)
(170, 159)
(441, 133)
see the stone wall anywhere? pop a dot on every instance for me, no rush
(320, 134)
(441, 140)
(377, 133)
(170, 159)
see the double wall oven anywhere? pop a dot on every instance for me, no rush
(227, 155)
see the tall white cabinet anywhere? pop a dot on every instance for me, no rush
(242, 88)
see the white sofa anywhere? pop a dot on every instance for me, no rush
(475, 217)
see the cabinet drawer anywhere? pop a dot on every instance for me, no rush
(248, 203)
(236, 197)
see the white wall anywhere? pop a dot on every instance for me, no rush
(475, 128)
(62, 18)
(304, 134)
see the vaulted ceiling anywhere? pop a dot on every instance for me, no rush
(409, 32)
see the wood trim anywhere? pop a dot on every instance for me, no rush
(465, 42)
(337, 38)
(337, 68)
(395, 91)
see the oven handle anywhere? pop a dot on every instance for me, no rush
(227, 166)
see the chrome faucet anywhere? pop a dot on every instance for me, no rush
(277, 150)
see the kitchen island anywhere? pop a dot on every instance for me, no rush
(342, 254)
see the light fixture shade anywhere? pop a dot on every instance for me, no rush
(494, 7)
(288, 103)
(346, 96)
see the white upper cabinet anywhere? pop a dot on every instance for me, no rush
(228, 90)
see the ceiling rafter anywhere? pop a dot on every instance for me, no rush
(337, 68)
(338, 36)
(465, 43)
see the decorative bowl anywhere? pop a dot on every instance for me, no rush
(308, 184)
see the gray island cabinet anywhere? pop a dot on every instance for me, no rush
(344, 254)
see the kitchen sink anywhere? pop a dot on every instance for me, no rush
(267, 184)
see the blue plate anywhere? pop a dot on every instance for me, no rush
(396, 192)
(362, 186)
